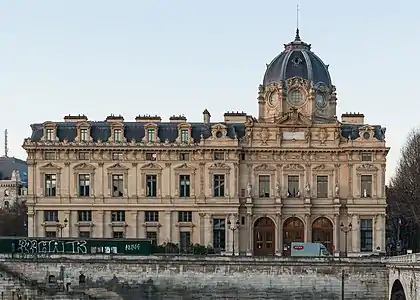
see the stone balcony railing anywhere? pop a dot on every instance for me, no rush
(403, 259)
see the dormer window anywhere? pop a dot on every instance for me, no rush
(50, 136)
(184, 136)
(117, 135)
(84, 135)
(151, 135)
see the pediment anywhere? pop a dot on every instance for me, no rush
(50, 166)
(117, 166)
(184, 125)
(367, 168)
(84, 166)
(294, 117)
(219, 126)
(184, 166)
(49, 124)
(219, 166)
(83, 124)
(323, 167)
(264, 167)
(151, 166)
(150, 125)
(293, 167)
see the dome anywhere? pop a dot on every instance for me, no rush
(297, 59)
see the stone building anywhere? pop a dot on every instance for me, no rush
(13, 180)
(244, 185)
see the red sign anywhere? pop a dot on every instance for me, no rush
(298, 247)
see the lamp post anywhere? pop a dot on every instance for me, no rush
(346, 230)
(61, 226)
(233, 227)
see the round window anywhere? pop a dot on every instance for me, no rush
(296, 98)
(219, 134)
(366, 135)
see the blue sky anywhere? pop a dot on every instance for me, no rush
(180, 57)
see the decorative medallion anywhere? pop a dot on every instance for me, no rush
(273, 100)
(296, 61)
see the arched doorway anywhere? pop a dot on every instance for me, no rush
(397, 292)
(322, 232)
(293, 231)
(264, 236)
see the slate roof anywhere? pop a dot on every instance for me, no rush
(8, 164)
(298, 60)
(169, 130)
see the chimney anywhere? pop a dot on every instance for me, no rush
(113, 118)
(148, 119)
(74, 118)
(353, 118)
(206, 116)
(235, 117)
(177, 119)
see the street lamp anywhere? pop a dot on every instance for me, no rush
(233, 227)
(346, 230)
(61, 226)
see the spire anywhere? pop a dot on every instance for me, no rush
(6, 149)
(297, 37)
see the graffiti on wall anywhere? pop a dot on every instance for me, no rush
(27, 246)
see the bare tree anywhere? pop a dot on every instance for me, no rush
(13, 220)
(403, 195)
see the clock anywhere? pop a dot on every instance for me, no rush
(296, 98)
(320, 100)
(273, 99)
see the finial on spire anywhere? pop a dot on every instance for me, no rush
(297, 37)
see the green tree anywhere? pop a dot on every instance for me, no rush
(13, 220)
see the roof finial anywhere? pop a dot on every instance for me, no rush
(297, 37)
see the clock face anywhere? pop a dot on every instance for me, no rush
(273, 99)
(320, 100)
(296, 98)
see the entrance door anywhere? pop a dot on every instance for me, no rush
(264, 237)
(293, 231)
(322, 232)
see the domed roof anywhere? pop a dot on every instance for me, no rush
(297, 59)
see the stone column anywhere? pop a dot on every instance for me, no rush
(279, 235)
(107, 225)
(167, 232)
(308, 228)
(208, 230)
(250, 247)
(229, 233)
(133, 225)
(141, 233)
(337, 232)
(355, 241)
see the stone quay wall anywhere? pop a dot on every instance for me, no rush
(194, 277)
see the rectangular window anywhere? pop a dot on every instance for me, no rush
(264, 186)
(84, 234)
(322, 186)
(51, 234)
(50, 185)
(50, 215)
(184, 241)
(118, 234)
(151, 156)
(366, 156)
(184, 156)
(49, 155)
(219, 155)
(184, 136)
(118, 185)
(151, 185)
(151, 135)
(84, 216)
(219, 234)
(185, 216)
(184, 185)
(117, 135)
(84, 185)
(366, 235)
(152, 235)
(366, 186)
(151, 216)
(118, 216)
(84, 135)
(219, 185)
(293, 186)
(117, 156)
(83, 155)
(242, 156)
(50, 134)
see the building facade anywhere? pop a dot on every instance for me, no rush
(13, 181)
(245, 185)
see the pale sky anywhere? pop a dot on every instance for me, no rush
(99, 57)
